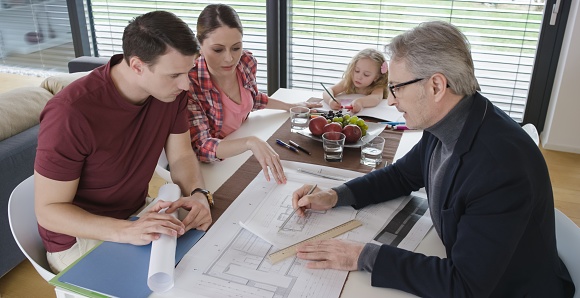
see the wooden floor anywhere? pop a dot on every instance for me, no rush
(24, 281)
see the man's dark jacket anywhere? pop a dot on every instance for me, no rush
(497, 215)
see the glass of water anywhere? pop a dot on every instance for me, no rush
(333, 144)
(299, 118)
(371, 153)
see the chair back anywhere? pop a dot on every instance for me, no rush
(24, 227)
(532, 132)
(161, 168)
(568, 242)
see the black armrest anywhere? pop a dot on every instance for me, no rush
(86, 63)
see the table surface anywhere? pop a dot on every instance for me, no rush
(232, 188)
(228, 178)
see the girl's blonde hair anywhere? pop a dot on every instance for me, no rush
(381, 81)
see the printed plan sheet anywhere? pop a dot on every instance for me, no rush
(230, 261)
(266, 220)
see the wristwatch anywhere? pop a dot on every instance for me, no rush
(206, 193)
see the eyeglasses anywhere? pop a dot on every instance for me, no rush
(395, 88)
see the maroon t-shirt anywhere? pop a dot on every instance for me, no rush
(89, 131)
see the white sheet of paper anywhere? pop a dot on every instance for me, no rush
(382, 111)
(162, 260)
(409, 139)
(267, 218)
(229, 261)
(392, 214)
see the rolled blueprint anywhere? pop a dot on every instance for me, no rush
(162, 260)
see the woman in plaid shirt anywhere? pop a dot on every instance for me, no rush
(223, 92)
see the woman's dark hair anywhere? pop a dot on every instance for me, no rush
(148, 36)
(215, 16)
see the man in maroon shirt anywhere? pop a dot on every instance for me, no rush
(100, 139)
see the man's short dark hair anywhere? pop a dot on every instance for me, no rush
(148, 36)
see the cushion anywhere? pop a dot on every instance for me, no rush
(56, 83)
(20, 109)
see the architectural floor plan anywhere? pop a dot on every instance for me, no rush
(230, 261)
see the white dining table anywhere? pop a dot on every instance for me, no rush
(263, 124)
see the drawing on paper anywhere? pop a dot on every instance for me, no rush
(266, 219)
(244, 262)
(296, 223)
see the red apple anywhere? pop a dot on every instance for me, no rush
(332, 126)
(352, 133)
(316, 125)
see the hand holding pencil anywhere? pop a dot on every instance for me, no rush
(295, 209)
(332, 102)
(303, 199)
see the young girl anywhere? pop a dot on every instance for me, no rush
(366, 74)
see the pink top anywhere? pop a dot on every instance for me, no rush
(235, 114)
(206, 108)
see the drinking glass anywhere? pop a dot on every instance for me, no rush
(371, 153)
(299, 118)
(333, 144)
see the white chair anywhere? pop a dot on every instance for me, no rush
(24, 227)
(161, 168)
(532, 132)
(568, 242)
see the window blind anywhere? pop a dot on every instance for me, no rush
(325, 35)
(35, 36)
(111, 17)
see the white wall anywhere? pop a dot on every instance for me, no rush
(561, 130)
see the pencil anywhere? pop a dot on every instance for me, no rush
(294, 211)
(330, 94)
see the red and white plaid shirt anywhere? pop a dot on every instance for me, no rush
(206, 112)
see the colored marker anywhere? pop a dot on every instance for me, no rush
(281, 143)
(400, 127)
(299, 147)
(392, 123)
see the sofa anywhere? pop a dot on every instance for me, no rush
(19, 112)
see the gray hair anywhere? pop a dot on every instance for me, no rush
(437, 47)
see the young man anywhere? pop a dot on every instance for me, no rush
(488, 187)
(100, 139)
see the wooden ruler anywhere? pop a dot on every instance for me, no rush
(336, 231)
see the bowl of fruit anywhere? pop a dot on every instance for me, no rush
(356, 130)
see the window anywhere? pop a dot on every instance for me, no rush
(324, 35)
(35, 36)
(111, 17)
